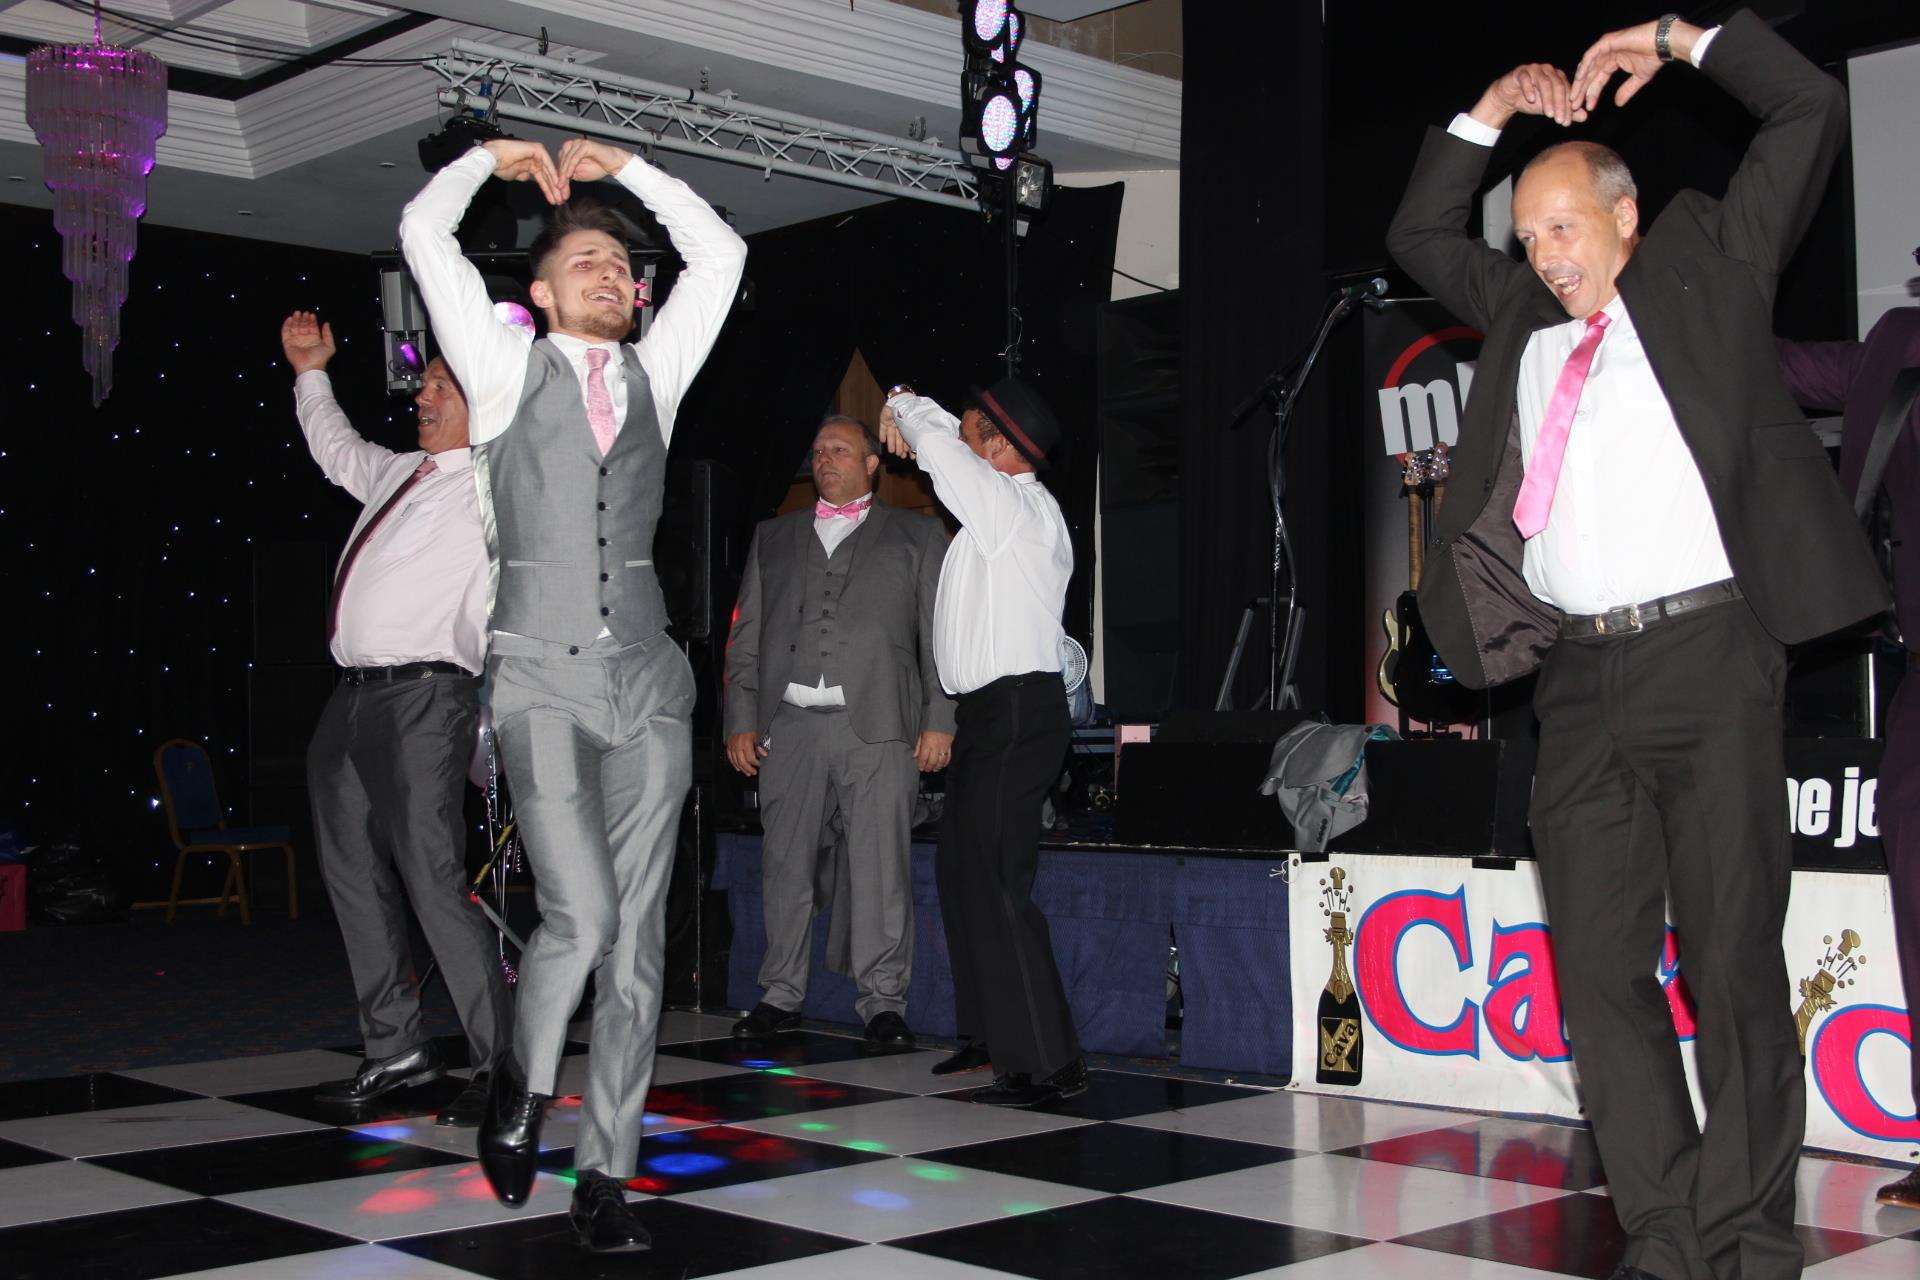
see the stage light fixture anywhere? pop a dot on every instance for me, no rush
(985, 24)
(1033, 185)
(403, 330)
(457, 137)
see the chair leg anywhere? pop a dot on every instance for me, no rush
(293, 888)
(226, 890)
(173, 898)
(241, 893)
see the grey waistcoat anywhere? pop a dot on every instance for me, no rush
(816, 654)
(572, 532)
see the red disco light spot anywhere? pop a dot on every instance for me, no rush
(398, 1200)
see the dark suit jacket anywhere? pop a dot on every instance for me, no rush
(884, 624)
(1700, 287)
(1854, 378)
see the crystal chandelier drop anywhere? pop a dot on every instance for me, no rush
(98, 110)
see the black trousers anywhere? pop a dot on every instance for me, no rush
(1660, 783)
(387, 778)
(1010, 740)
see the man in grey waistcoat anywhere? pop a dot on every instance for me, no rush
(591, 700)
(834, 703)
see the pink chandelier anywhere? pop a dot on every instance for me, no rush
(98, 111)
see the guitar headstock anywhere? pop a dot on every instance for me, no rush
(1425, 468)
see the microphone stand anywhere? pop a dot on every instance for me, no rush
(1280, 392)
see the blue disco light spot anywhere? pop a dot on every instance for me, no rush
(677, 1136)
(690, 1164)
(876, 1199)
(758, 1064)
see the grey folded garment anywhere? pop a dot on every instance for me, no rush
(1319, 774)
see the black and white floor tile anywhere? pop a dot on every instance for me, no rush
(804, 1158)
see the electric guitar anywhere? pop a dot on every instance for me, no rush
(1412, 674)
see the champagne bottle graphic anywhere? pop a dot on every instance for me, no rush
(1341, 1038)
(1831, 972)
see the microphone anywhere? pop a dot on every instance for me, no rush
(1366, 291)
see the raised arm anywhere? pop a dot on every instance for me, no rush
(348, 459)
(489, 358)
(681, 335)
(1803, 123)
(1428, 236)
(983, 500)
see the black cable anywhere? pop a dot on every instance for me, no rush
(1137, 280)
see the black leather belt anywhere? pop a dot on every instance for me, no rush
(1014, 682)
(1638, 617)
(357, 676)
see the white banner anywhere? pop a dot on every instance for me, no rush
(1431, 980)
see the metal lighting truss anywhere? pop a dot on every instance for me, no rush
(565, 95)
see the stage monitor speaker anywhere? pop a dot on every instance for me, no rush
(290, 593)
(1139, 422)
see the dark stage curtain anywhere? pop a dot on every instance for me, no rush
(1252, 166)
(919, 291)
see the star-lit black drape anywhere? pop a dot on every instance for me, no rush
(130, 531)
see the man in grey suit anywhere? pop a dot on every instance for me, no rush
(591, 700)
(834, 703)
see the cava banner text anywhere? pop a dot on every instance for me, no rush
(1431, 980)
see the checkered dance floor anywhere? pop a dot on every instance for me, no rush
(802, 1158)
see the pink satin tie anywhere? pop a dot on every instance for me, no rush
(599, 403)
(822, 510)
(1531, 507)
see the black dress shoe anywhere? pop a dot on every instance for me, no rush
(889, 1030)
(1018, 1089)
(1627, 1272)
(603, 1221)
(418, 1065)
(970, 1056)
(1905, 1193)
(765, 1020)
(464, 1111)
(510, 1134)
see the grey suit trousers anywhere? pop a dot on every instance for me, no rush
(387, 776)
(816, 767)
(597, 748)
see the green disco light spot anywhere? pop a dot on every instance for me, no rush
(866, 1146)
(779, 1071)
(937, 1173)
(819, 1126)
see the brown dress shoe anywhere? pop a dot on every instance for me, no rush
(1904, 1193)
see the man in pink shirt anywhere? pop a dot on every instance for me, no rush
(387, 768)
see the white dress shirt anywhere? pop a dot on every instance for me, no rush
(417, 591)
(490, 357)
(1004, 581)
(1630, 519)
(832, 531)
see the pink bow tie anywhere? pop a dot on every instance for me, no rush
(822, 510)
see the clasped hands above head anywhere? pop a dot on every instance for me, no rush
(1542, 89)
(582, 159)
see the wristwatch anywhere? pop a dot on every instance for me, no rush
(1661, 32)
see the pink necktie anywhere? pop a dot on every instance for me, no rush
(851, 511)
(1550, 446)
(599, 403)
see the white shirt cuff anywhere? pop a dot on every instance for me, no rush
(1467, 129)
(313, 378)
(1700, 45)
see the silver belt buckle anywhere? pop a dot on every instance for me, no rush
(1621, 621)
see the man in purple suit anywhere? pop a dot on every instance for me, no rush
(1856, 378)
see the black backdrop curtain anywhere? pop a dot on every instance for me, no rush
(1252, 233)
(919, 291)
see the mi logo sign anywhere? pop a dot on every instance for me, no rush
(1416, 416)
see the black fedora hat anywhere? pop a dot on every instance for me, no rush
(1023, 418)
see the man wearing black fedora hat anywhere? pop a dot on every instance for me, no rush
(996, 641)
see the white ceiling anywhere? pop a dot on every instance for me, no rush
(326, 157)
